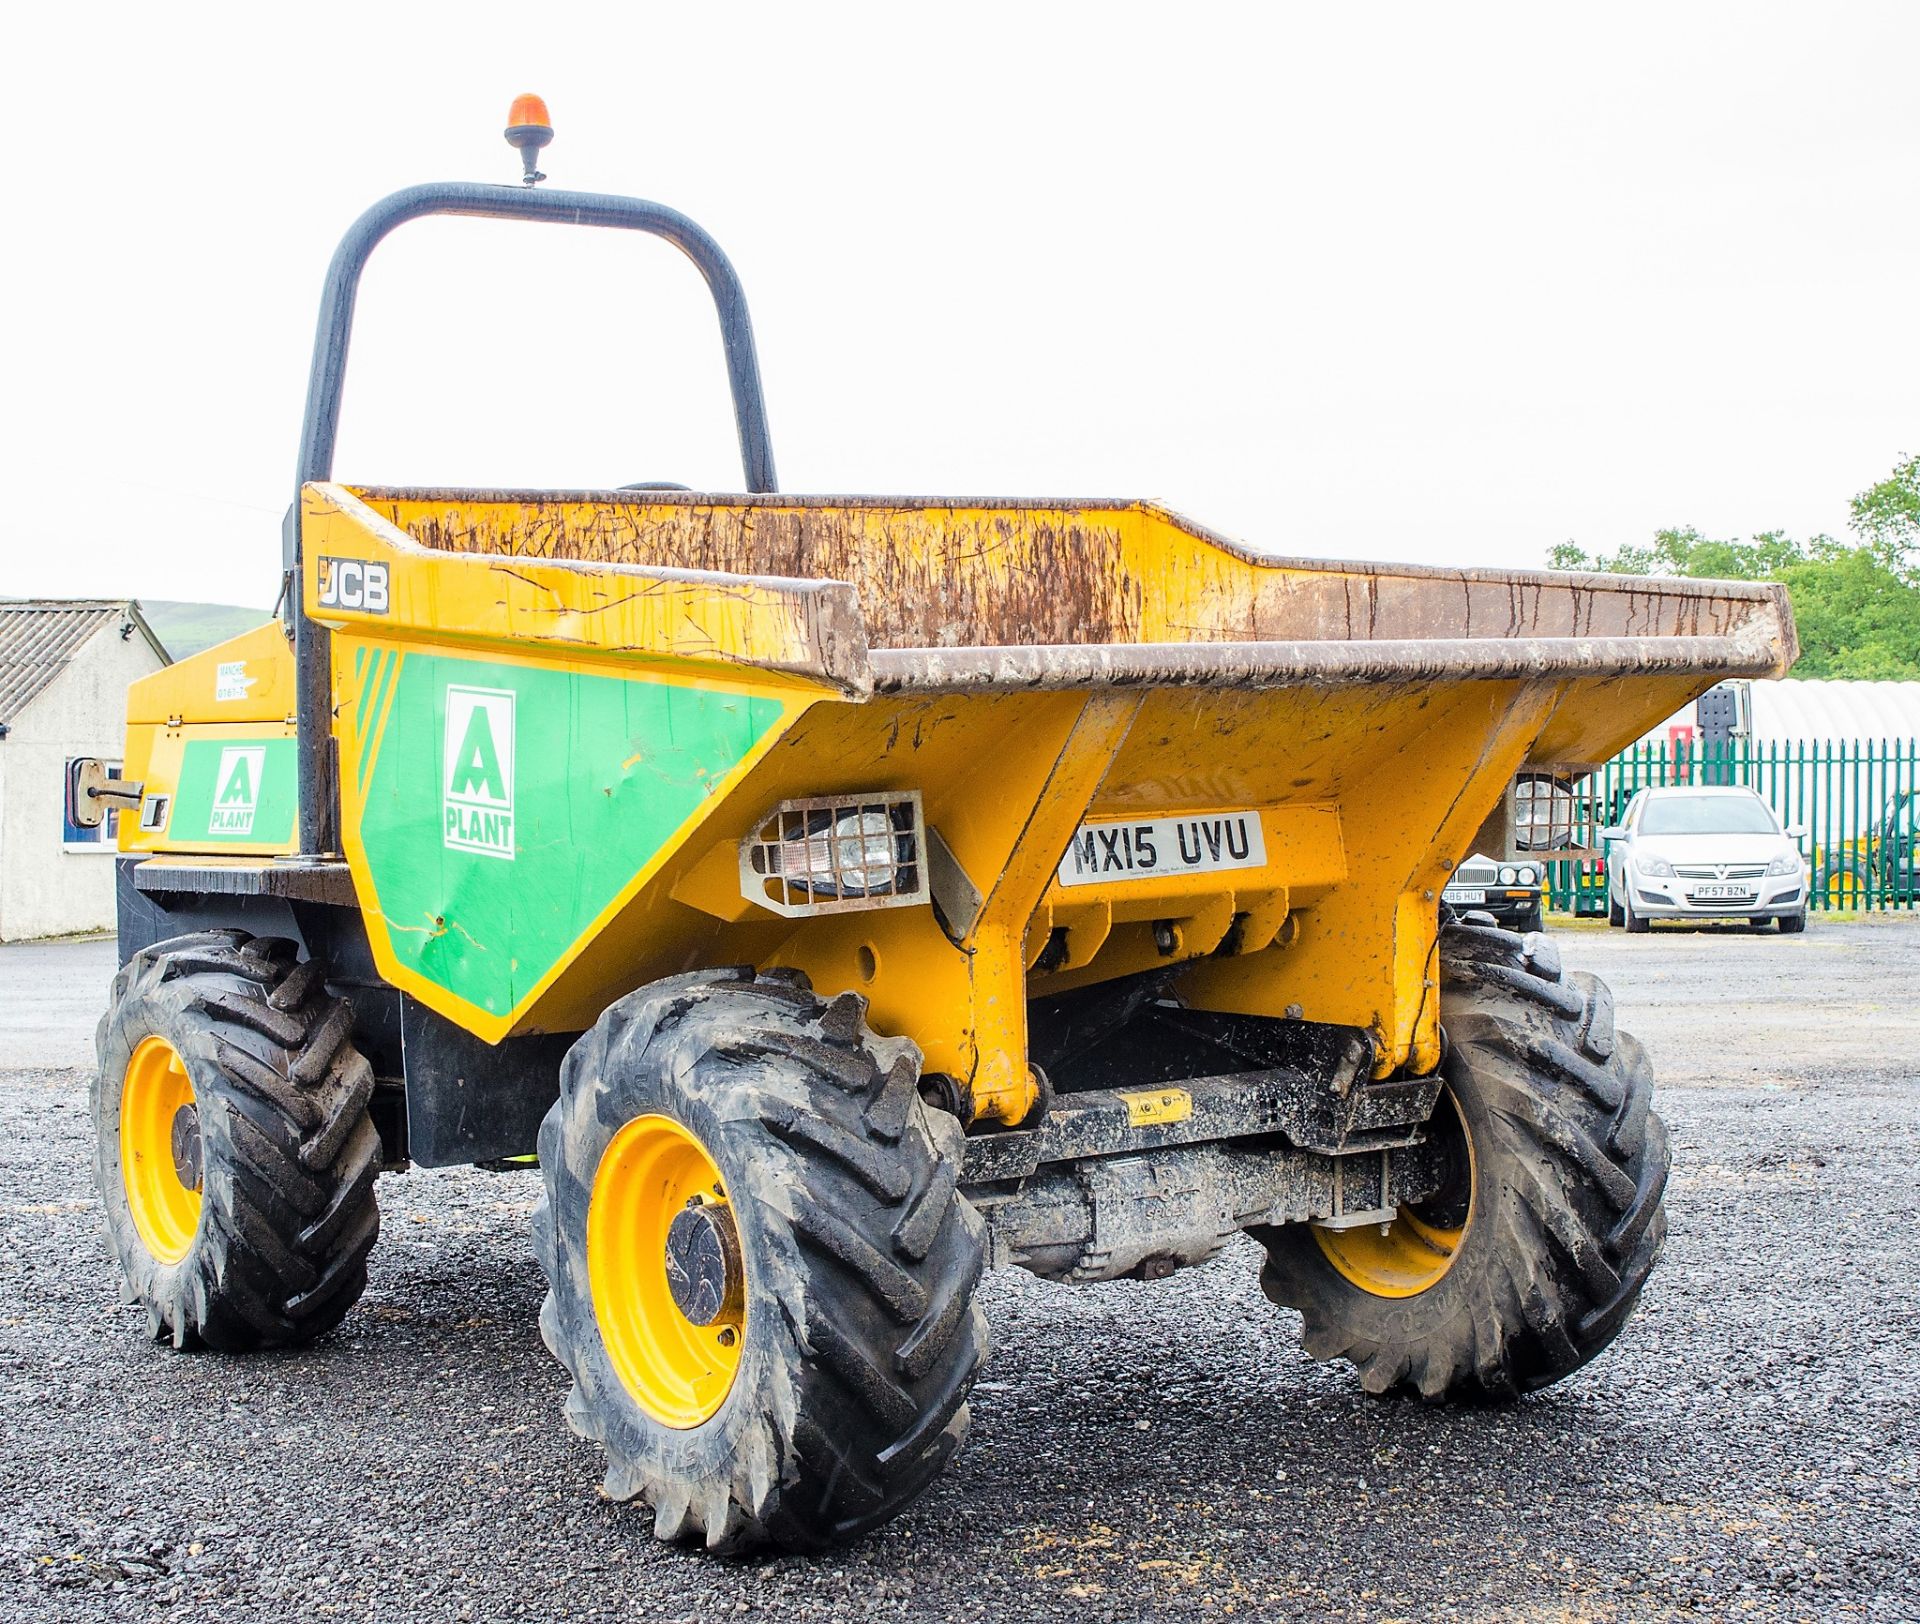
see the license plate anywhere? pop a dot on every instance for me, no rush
(1723, 893)
(1151, 847)
(1454, 893)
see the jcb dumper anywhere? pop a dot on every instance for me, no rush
(845, 895)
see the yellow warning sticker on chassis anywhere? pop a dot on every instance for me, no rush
(1201, 843)
(1149, 1105)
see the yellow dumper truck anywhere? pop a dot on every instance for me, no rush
(844, 895)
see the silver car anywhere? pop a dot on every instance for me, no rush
(1704, 852)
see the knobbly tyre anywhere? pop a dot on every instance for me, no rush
(846, 895)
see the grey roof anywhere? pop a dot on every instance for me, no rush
(39, 635)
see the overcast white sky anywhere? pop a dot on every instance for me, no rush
(1426, 282)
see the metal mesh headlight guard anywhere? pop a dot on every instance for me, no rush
(837, 854)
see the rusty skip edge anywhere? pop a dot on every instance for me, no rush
(1750, 653)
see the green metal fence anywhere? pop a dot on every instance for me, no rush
(1856, 803)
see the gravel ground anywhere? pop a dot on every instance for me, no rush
(1751, 1448)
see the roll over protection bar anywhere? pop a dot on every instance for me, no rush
(319, 430)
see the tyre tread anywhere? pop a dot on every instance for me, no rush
(1584, 1163)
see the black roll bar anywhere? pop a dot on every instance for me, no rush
(319, 810)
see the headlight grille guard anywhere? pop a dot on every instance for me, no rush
(829, 854)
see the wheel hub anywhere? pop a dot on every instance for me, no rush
(1413, 1252)
(188, 1161)
(703, 1262)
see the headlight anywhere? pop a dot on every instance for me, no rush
(851, 856)
(1790, 864)
(1529, 875)
(830, 854)
(1657, 868)
(1508, 877)
(1544, 813)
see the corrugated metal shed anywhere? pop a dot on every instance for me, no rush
(1791, 710)
(39, 635)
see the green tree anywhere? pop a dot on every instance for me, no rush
(1857, 604)
(1686, 552)
(1888, 514)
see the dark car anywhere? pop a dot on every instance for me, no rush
(1512, 892)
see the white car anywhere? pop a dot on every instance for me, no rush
(1704, 852)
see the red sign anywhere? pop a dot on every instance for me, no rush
(1680, 736)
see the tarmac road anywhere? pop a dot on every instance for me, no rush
(1750, 1448)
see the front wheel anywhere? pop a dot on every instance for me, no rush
(1528, 1258)
(1792, 924)
(760, 1268)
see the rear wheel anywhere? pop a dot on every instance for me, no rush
(233, 1151)
(761, 1271)
(1527, 1260)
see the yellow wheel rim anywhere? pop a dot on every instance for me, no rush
(1413, 1253)
(679, 1372)
(160, 1156)
(1843, 889)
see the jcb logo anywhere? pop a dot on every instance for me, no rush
(476, 755)
(353, 583)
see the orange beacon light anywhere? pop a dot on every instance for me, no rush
(528, 130)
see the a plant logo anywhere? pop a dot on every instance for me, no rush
(476, 754)
(236, 790)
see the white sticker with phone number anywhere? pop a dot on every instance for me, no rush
(1201, 844)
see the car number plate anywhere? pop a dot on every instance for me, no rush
(1723, 893)
(1455, 893)
(1150, 848)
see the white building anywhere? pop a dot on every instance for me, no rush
(64, 669)
(1854, 712)
(1795, 710)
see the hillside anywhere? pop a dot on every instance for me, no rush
(187, 628)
